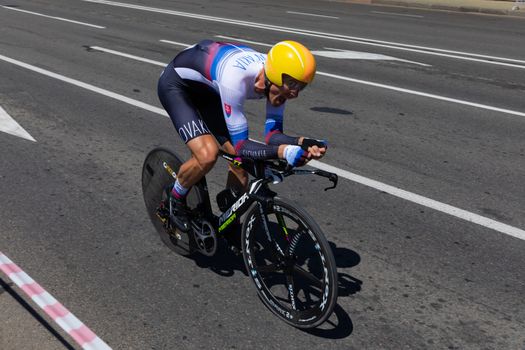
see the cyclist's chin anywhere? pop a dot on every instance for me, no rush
(277, 100)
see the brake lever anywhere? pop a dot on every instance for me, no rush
(330, 176)
(333, 178)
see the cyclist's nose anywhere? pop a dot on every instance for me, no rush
(293, 94)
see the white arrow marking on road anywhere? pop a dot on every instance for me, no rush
(10, 126)
(358, 55)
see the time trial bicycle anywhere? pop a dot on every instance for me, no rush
(284, 250)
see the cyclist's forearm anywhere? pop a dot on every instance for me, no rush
(256, 150)
(277, 137)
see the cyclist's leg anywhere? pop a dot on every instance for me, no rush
(176, 97)
(212, 113)
(204, 151)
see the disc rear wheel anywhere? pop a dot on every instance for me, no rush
(159, 171)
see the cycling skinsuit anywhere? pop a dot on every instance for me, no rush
(204, 89)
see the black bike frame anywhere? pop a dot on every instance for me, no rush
(258, 188)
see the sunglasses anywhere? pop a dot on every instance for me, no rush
(293, 84)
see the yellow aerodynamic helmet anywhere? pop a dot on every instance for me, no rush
(291, 58)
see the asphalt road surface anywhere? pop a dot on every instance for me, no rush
(438, 265)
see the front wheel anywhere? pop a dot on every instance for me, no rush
(290, 262)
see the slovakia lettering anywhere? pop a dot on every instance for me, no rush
(245, 61)
(193, 129)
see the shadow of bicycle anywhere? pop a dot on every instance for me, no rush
(339, 325)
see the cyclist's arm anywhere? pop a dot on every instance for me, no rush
(232, 105)
(275, 135)
(273, 130)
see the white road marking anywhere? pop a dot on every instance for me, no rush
(342, 54)
(174, 43)
(414, 92)
(424, 94)
(310, 14)
(424, 201)
(242, 40)
(10, 126)
(53, 17)
(409, 196)
(358, 55)
(137, 58)
(86, 86)
(396, 14)
(345, 38)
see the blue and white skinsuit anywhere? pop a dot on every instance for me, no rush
(204, 89)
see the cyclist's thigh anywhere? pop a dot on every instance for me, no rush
(209, 105)
(177, 101)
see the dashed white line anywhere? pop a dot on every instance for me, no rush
(409, 196)
(340, 37)
(54, 17)
(242, 40)
(396, 14)
(174, 43)
(137, 58)
(310, 14)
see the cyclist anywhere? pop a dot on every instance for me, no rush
(204, 88)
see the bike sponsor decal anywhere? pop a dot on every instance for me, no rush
(227, 222)
(326, 289)
(228, 110)
(308, 319)
(169, 170)
(224, 217)
(292, 297)
(279, 309)
(193, 129)
(237, 162)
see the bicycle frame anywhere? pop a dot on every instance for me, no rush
(258, 191)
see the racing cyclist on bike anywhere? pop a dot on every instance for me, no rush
(204, 88)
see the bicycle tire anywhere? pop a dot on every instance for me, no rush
(155, 178)
(301, 311)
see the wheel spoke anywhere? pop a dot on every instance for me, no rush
(268, 268)
(291, 290)
(310, 277)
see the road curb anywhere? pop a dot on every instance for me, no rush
(443, 7)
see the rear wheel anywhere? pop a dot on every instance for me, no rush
(290, 262)
(158, 172)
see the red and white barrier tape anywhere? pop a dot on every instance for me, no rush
(62, 316)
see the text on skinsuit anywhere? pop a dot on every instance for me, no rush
(191, 130)
(245, 61)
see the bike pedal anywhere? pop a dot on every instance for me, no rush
(235, 250)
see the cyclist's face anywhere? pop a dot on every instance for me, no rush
(289, 90)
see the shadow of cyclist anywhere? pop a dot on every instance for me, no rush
(346, 258)
(224, 262)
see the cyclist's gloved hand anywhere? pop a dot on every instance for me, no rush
(307, 143)
(295, 155)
